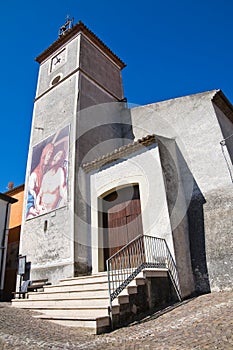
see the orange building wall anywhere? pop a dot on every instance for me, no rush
(16, 208)
(13, 242)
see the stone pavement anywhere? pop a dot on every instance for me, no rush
(202, 323)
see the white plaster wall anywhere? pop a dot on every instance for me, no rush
(198, 126)
(142, 168)
(192, 121)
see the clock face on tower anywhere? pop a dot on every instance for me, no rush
(58, 60)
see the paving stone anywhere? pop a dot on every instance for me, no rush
(201, 323)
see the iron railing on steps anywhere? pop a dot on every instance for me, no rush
(142, 252)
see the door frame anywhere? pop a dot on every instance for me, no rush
(102, 234)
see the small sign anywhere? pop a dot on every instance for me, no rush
(22, 265)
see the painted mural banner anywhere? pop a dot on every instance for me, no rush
(47, 185)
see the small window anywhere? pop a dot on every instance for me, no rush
(56, 80)
(45, 225)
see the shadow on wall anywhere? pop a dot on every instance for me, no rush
(178, 178)
(27, 275)
(97, 136)
(197, 241)
(227, 142)
(227, 130)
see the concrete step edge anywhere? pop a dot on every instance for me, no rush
(88, 282)
(61, 299)
(99, 274)
(65, 291)
(72, 317)
(36, 308)
(75, 284)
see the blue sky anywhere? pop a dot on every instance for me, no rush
(171, 48)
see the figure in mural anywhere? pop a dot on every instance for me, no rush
(35, 180)
(47, 188)
(53, 191)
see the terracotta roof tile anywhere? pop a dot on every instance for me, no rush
(120, 153)
(79, 27)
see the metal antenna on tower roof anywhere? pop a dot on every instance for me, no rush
(68, 25)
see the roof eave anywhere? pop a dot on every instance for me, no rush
(15, 190)
(8, 199)
(222, 102)
(79, 27)
(117, 154)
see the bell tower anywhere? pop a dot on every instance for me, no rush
(78, 74)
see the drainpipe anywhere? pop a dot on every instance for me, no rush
(3, 248)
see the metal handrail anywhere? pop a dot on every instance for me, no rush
(142, 252)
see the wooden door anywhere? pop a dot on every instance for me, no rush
(124, 221)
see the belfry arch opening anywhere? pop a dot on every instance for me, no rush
(120, 220)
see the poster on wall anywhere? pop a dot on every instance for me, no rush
(47, 185)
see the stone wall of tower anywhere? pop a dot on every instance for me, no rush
(65, 70)
(100, 76)
(50, 251)
(51, 241)
(99, 130)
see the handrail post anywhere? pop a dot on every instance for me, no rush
(173, 272)
(109, 292)
(151, 252)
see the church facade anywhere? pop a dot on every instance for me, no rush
(101, 174)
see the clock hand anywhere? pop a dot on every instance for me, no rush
(58, 60)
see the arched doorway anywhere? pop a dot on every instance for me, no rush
(122, 221)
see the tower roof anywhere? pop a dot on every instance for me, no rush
(79, 27)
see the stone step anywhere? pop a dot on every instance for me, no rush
(67, 301)
(76, 286)
(80, 312)
(96, 326)
(79, 284)
(155, 273)
(84, 301)
(101, 277)
(60, 293)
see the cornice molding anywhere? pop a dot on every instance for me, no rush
(120, 153)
